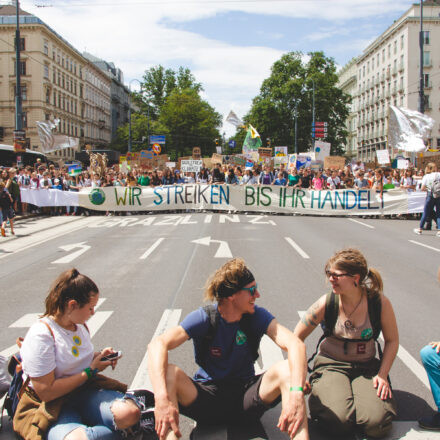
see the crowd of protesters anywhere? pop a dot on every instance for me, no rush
(44, 176)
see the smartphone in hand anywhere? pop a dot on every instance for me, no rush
(112, 356)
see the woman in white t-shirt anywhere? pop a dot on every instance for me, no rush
(59, 359)
(432, 204)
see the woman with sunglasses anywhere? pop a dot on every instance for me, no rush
(350, 387)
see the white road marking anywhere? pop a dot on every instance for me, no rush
(186, 221)
(296, 247)
(424, 245)
(83, 247)
(405, 357)
(170, 318)
(223, 250)
(151, 249)
(233, 219)
(361, 223)
(24, 243)
(208, 218)
(258, 220)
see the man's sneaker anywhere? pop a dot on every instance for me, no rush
(438, 234)
(147, 426)
(145, 397)
(431, 423)
(417, 231)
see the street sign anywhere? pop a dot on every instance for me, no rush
(156, 149)
(157, 139)
(19, 141)
(232, 144)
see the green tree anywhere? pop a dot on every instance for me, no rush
(289, 90)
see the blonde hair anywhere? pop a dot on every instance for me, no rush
(228, 277)
(353, 262)
(430, 168)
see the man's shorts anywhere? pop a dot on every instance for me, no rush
(229, 401)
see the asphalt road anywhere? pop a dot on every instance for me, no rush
(151, 273)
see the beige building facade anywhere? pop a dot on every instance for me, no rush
(56, 81)
(388, 74)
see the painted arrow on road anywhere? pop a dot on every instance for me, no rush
(83, 247)
(223, 250)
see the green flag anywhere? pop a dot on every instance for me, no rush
(252, 141)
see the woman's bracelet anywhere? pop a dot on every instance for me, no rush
(90, 373)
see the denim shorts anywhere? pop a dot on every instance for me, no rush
(8, 213)
(88, 409)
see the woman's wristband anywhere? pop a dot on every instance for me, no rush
(90, 373)
(296, 389)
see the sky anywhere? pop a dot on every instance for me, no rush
(229, 45)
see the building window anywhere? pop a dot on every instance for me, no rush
(426, 37)
(23, 92)
(389, 51)
(46, 71)
(438, 142)
(54, 75)
(383, 55)
(426, 59)
(22, 44)
(47, 117)
(53, 55)
(46, 47)
(22, 68)
(402, 41)
(47, 96)
(395, 47)
(64, 78)
(59, 78)
(25, 120)
(426, 80)
(54, 98)
(427, 103)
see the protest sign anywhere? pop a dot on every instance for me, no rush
(196, 153)
(170, 164)
(383, 157)
(316, 165)
(216, 158)
(237, 161)
(207, 162)
(292, 161)
(122, 158)
(265, 152)
(183, 158)
(402, 164)
(280, 151)
(303, 161)
(278, 160)
(191, 166)
(334, 162)
(322, 150)
(219, 150)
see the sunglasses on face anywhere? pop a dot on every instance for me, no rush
(251, 290)
(336, 276)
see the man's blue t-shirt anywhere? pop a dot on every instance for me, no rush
(229, 355)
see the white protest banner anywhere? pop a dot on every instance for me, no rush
(191, 166)
(219, 150)
(281, 151)
(383, 157)
(241, 198)
(322, 150)
(170, 164)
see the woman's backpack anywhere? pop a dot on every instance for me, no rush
(331, 316)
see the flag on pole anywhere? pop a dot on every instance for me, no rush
(233, 119)
(407, 129)
(252, 141)
(53, 142)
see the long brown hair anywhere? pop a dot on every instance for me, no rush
(352, 261)
(69, 285)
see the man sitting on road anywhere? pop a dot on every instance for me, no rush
(225, 389)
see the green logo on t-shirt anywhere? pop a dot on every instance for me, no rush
(367, 333)
(240, 338)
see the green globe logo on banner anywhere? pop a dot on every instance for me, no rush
(97, 196)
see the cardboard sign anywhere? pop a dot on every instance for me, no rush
(183, 158)
(170, 164)
(196, 153)
(191, 166)
(322, 150)
(334, 162)
(237, 161)
(278, 160)
(146, 154)
(265, 152)
(216, 158)
(316, 165)
(207, 162)
(292, 161)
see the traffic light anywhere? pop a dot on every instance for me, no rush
(268, 142)
(216, 142)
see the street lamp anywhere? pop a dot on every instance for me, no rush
(296, 126)
(129, 112)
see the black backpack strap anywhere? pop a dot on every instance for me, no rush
(330, 318)
(375, 314)
(202, 351)
(253, 341)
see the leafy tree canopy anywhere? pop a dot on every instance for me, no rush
(290, 87)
